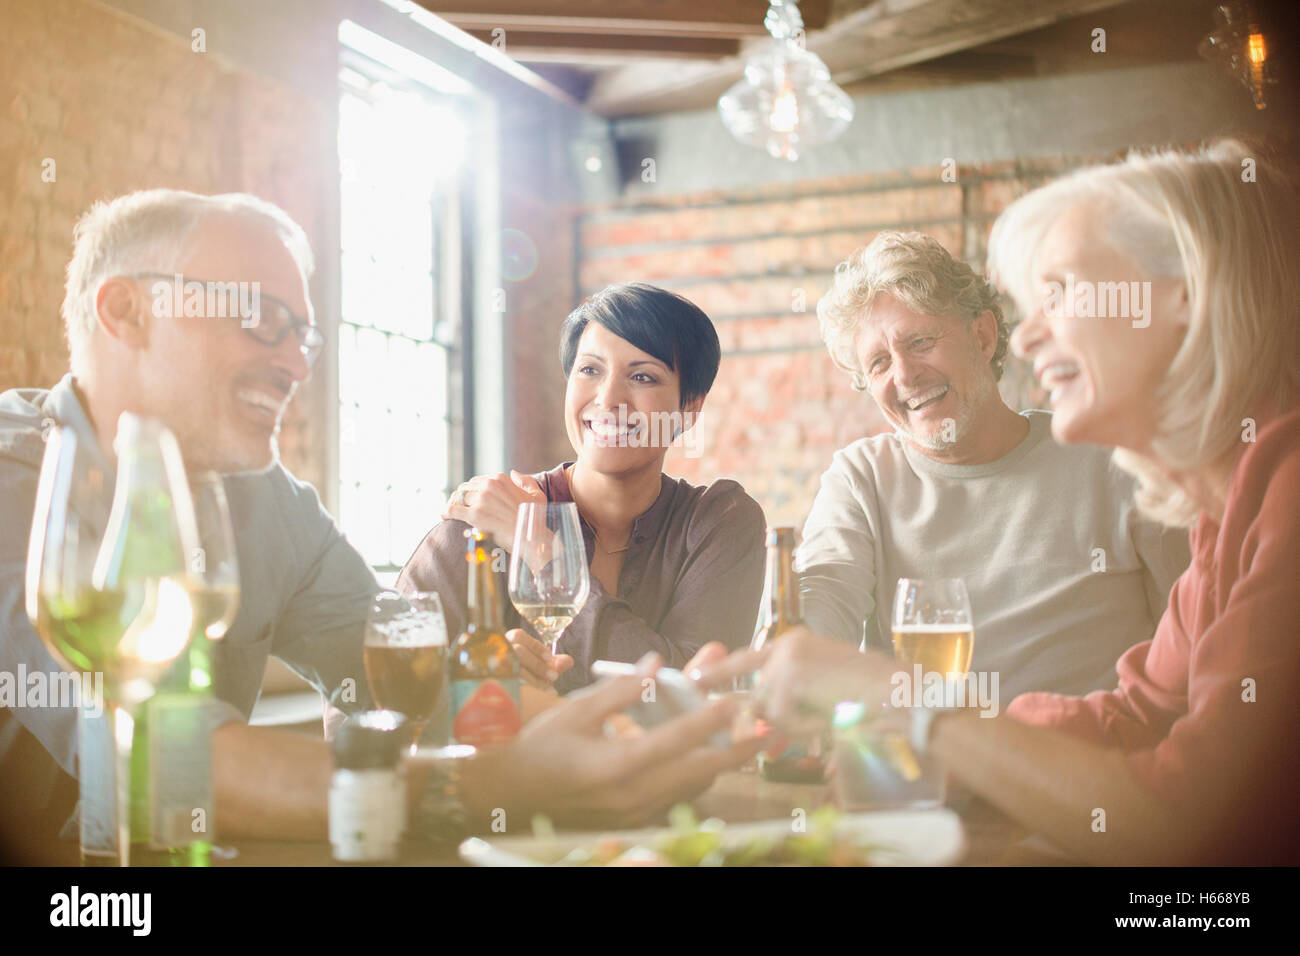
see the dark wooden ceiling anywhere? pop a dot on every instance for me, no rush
(635, 57)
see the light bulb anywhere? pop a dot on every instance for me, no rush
(1255, 48)
(785, 112)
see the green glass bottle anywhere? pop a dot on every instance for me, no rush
(172, 813)
(141, 565)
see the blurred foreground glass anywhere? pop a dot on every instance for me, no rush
(173, 806)
(115, 605)
(405, 655)
(549, 577)
(216, 565)
(933, 637)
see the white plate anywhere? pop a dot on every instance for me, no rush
(905, 838)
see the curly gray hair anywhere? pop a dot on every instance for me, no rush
(920, 273)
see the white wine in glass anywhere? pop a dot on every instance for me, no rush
(216, 595)
(549, 577)
(548, 619)
(112, 596)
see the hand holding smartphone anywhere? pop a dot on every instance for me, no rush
(672, 694)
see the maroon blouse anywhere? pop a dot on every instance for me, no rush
(693, 573)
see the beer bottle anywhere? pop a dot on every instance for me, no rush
(790, 761)
(484, 672)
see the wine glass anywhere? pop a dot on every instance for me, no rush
(214, 562)
(405, 655)
(109, 596)
(549, 577)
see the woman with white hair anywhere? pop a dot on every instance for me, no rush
(1159, 298)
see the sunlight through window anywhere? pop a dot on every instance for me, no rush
(398, 156)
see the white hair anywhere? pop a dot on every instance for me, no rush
(150, 231)
(1224, 221)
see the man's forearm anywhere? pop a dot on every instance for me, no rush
(834, 607)
(270, 784)
(1055, 784)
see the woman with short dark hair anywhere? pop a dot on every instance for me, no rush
(673, 565)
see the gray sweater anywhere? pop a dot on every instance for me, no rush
(1063, 574)
(304, 591)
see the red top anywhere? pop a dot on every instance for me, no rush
(1210, 706)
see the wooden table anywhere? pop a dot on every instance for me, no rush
(994, 839)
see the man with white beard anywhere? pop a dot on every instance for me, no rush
(1063, 574)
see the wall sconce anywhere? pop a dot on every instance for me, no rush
(1239, 46)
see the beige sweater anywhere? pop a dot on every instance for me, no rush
(1063, 574)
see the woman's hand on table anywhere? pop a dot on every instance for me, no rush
(491, 503)
(537, 665)
(564, 764)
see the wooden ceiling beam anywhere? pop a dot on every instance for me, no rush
(604, 14)
(475, 23)
(524, 46)
(883, 35)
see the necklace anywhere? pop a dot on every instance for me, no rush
(568, 477)
(595, 535)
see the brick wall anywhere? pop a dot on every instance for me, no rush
(757, 261)
(119, 105)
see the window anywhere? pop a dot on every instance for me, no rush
(400, 401)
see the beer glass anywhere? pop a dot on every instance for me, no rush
(932, 626)
(405, 655)
(933, 638)
(549, 577)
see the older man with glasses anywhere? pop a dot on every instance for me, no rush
(221, 380)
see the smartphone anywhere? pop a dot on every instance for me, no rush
(671, 694)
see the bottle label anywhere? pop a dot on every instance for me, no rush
(367, 814)
(485, 712)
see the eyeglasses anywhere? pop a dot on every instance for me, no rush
(264, 317)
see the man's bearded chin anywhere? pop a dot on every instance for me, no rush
(234, 460)
(968, 408)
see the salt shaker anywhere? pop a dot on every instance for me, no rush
(367, 801)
